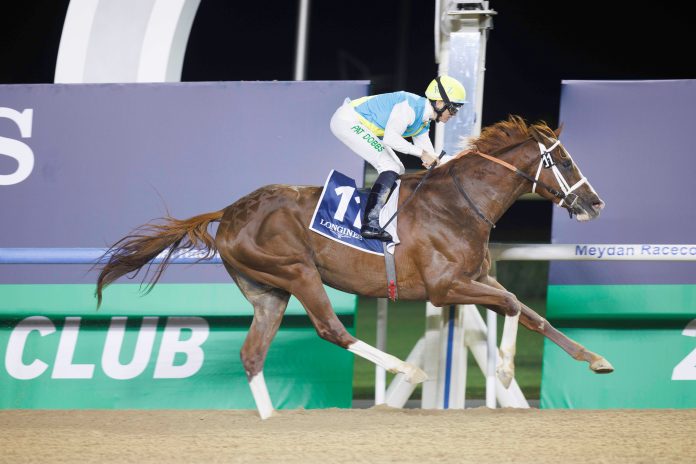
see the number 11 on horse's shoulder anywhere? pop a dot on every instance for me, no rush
(443, 257)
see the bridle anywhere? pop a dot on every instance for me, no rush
(546, 161)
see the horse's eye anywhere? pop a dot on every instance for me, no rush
(568, 163)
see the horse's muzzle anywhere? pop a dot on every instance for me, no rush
(586, 210)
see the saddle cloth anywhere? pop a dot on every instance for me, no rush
(339, 213)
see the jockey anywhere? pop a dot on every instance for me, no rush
(376, 125)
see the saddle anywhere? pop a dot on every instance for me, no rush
(338, 216)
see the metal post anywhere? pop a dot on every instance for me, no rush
(492, 324)
(461, 30)
(380, 373)
(301, 42)
(463, 34)
(432, 357)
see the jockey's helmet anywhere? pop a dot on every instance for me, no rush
(453, 89)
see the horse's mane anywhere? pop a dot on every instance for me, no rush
(505, 133)
(496, 138)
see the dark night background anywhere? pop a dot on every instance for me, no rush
(533, 46)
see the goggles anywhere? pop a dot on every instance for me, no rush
(449, 105)
(453, 108)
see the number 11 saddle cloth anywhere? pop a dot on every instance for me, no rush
(339, 214)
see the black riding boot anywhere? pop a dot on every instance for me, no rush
(375, 201)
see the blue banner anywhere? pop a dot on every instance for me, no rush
(338, 215)
(641, 164)
(97, 160)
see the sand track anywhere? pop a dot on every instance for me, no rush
(333, 436)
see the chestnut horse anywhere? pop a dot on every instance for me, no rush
(267, 248)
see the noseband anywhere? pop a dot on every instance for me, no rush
(547, 162)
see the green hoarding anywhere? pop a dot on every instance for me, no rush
(638, 314)
(177, 347)
(648, 332)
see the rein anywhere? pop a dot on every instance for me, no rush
(546, 161)
(551, 190)
(506, 165)
(398, 210)
(470, 201)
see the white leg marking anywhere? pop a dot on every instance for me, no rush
(261, 396)
(506, 368)
(392, 364)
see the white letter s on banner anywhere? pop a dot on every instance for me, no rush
(16, 149)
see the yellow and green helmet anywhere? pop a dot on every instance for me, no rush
(448, 90)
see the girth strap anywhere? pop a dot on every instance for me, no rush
(391, 273)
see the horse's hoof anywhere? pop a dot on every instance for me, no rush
(505, 376)
(601, 366)
(414, 374)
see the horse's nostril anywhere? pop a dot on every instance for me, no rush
(598, 205)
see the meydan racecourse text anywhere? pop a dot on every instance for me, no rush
(602, 251)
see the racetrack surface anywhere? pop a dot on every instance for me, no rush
(332, 436)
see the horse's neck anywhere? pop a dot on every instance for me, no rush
(494, 188)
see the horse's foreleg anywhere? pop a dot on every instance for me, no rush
(489, 293)
(530, 319)
(472, 292)
(500, 300)
(311, 294)
(269, 306)
(508, 345)
(506, 369)
(533, 321)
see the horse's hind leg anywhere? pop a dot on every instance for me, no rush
(269, 306)
(310, 291)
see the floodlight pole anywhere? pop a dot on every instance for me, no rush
(301, 42)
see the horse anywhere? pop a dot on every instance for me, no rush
(267, 248)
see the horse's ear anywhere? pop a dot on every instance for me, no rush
(559, 130)
(534, 133)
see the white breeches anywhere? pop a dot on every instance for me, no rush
(346, 126)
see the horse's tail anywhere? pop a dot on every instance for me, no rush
(134, 251)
